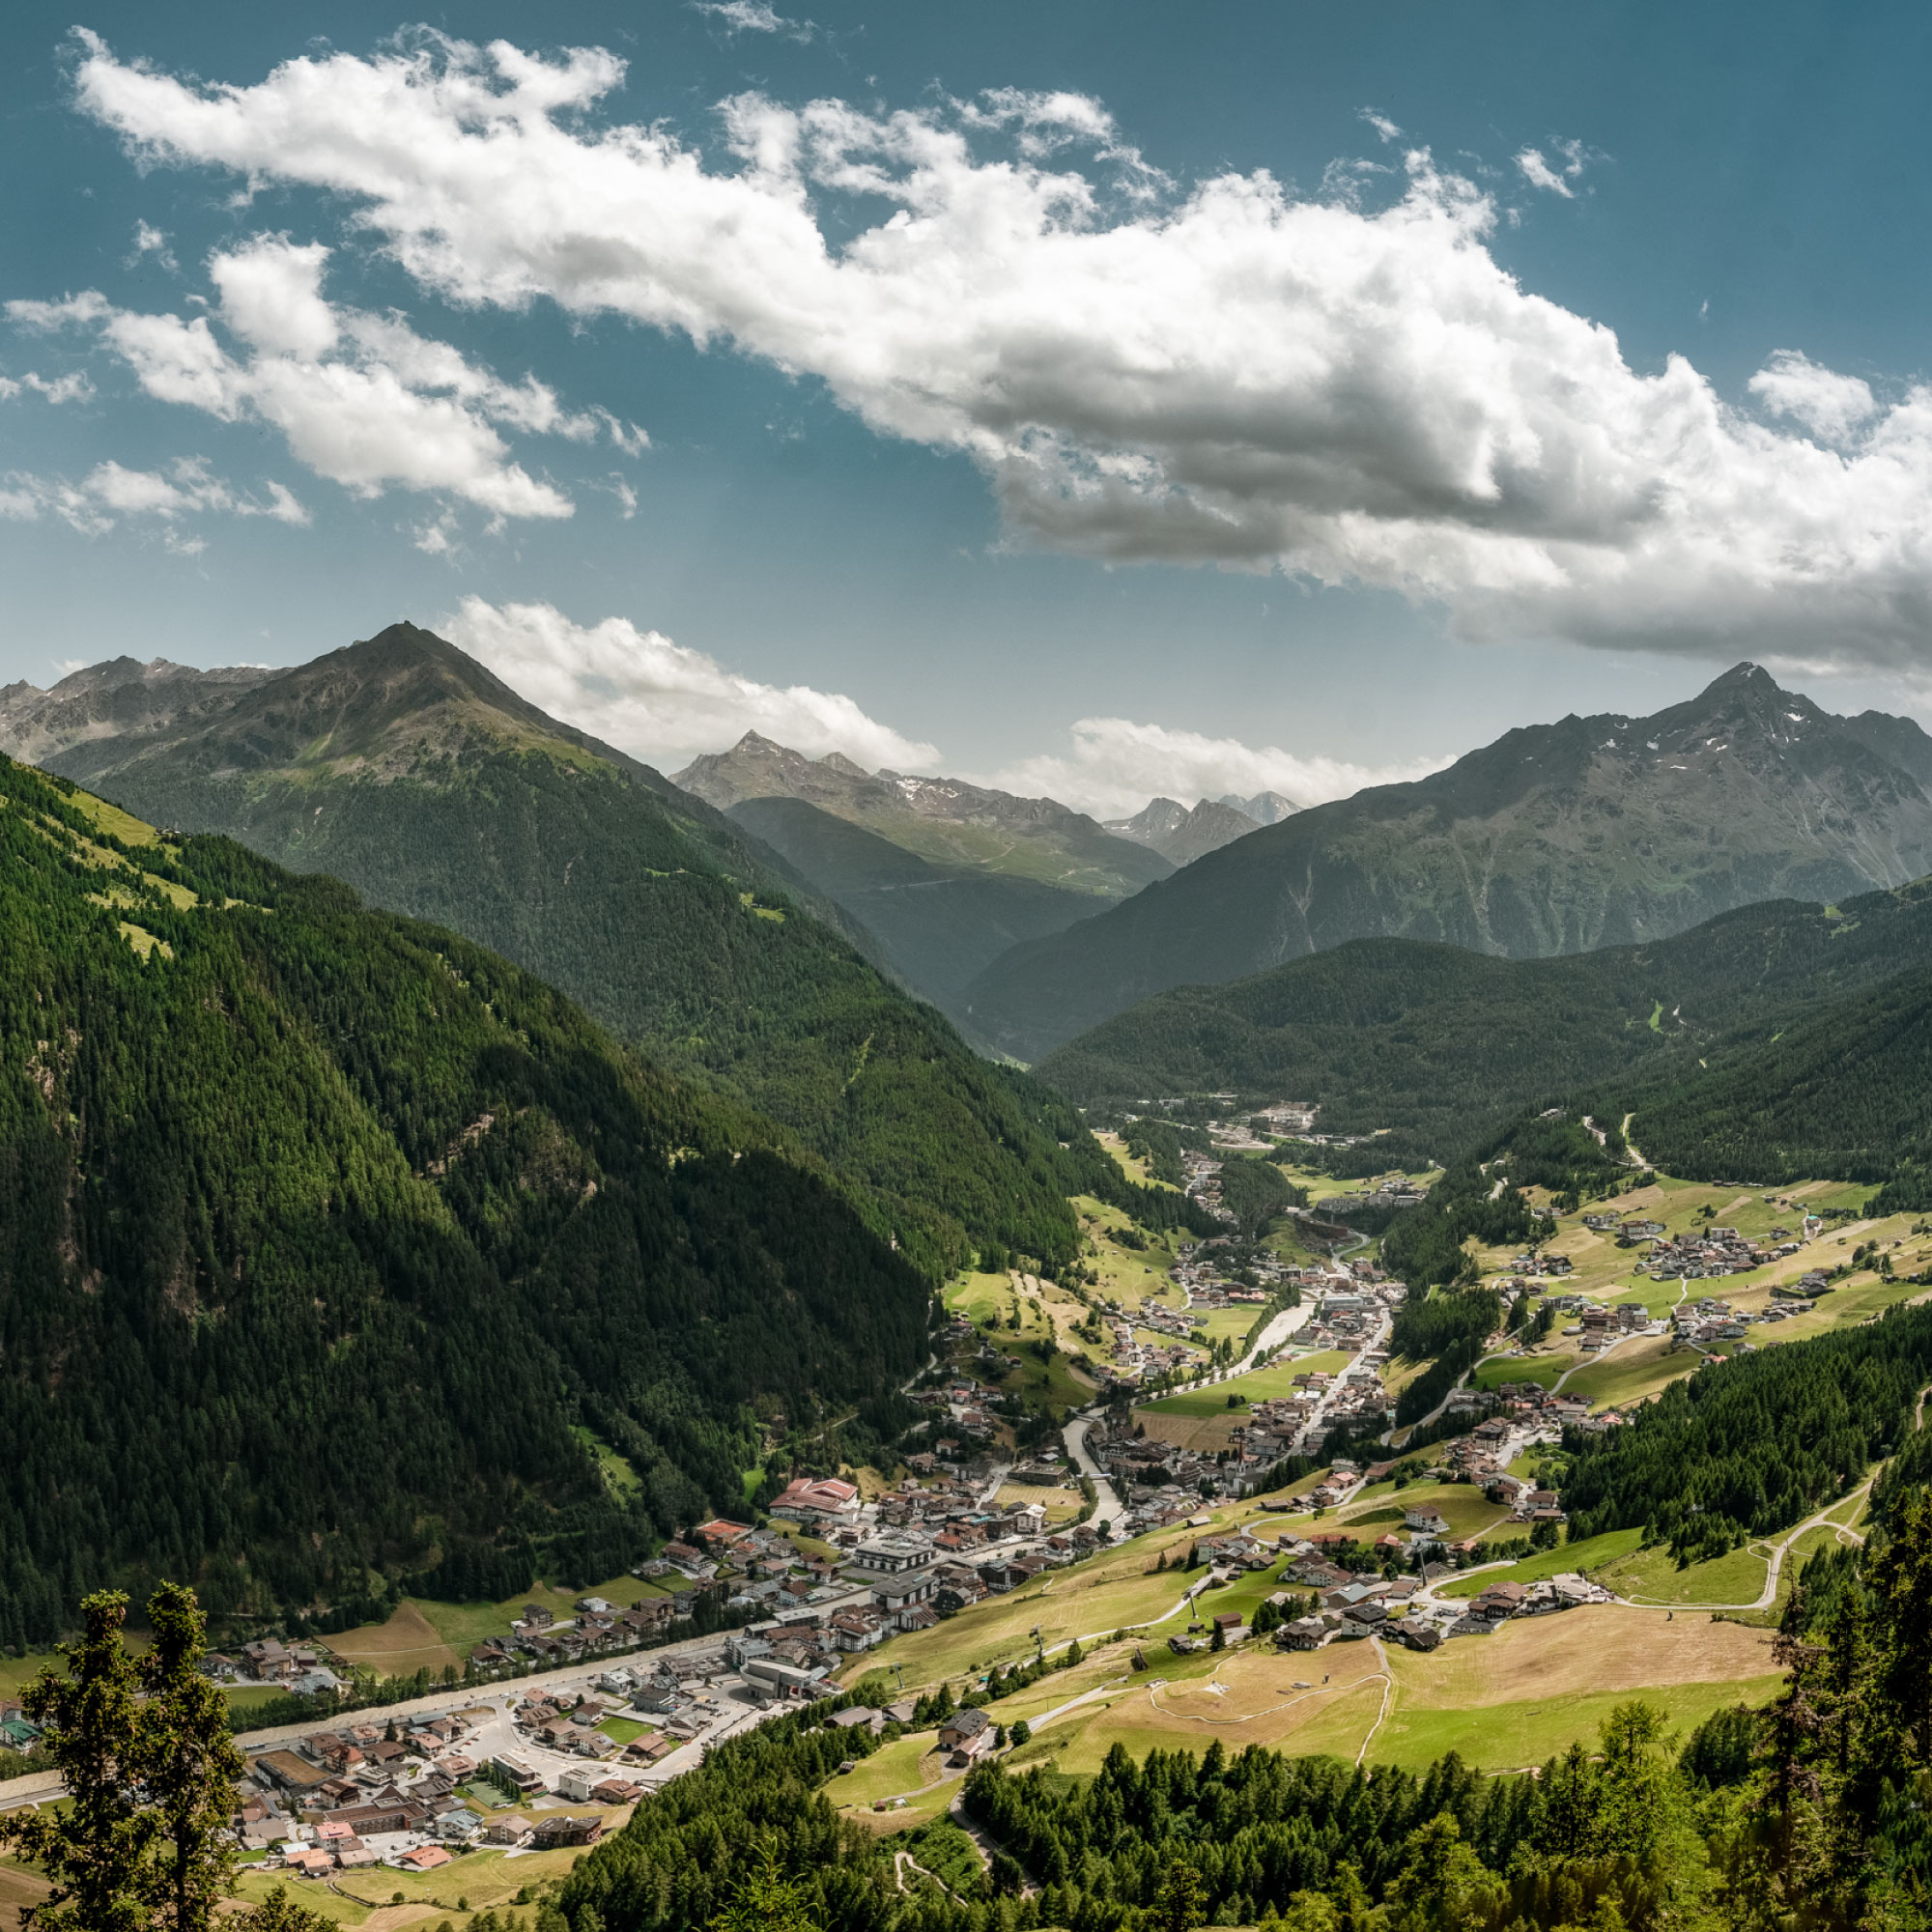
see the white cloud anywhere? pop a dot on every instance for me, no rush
(1538, 172)
(1831, 406)
(1227, 374)
(110, 490)
(1380, 122)
(1112, 766)
(659, 700)
(151, 241)
(75, 386)
(754, 16)
(361, 398)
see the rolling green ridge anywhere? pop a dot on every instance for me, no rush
(1556, 840)
(1451, 1043)
(321, 1230)
(935, 925)
(404, 768)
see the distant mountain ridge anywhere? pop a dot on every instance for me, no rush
(1184, 836)
(1556, 839)
(936, 926)
(947, 821)
(111, 699)
(406, 768)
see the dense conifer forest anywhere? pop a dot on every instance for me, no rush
(327, 1238)
(1447, 1046)
(402, 766)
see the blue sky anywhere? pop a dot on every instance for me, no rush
(1340, 418)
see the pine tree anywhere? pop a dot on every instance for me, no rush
(189, 1763)
(96, 1852)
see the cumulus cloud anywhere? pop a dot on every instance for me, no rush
(659, 700)
(110, 492)
(1223, 373)
(1112, 766)
(1829, 405)
(360, 398)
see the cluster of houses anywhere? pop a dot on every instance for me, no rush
(1279, 1425)
(365, 1794)
(1352, 1605)
(538, 1638)
(300, 1670)
(1383, 1190)
(1715, 1251)
(1705, 1322)
(1201, 1181)
(1599, 1325)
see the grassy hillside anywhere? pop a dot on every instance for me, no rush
(333, 1248)
(404, 768)
(1556, 840)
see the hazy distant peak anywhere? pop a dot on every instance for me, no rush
(1182, 836)
(1266, 807)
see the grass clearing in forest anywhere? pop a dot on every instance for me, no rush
(1653, 1576)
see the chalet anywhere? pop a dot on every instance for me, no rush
(555, 1833)
(1302, 1634)
(966, 1734)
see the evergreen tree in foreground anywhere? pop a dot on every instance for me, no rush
(145, 1843)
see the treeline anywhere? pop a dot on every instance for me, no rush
(1446, 1329)
(1257, 1194)
(322, 1235)
(1756, 1443)
(1159, 1143)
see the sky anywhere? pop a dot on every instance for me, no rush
(1095, 399)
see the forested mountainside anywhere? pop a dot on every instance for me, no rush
(1842, 1091)
(1557, 838)
(935, 925)
(1393, 1033)
(946, 820)
(322, 1234)
(404, 767)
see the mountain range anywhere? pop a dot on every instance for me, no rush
(1555, 840)
(947, 821)
(338, 1250)
(406, 769)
